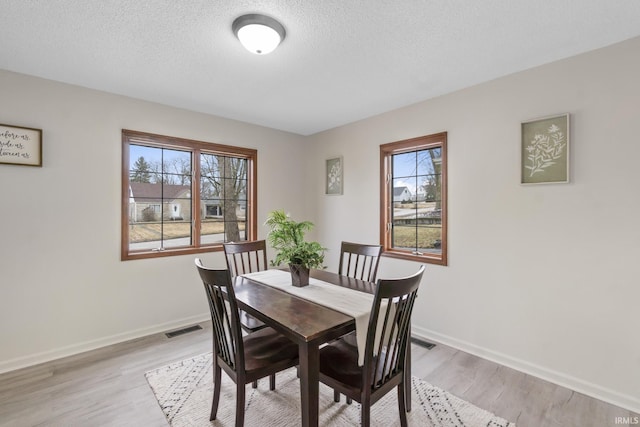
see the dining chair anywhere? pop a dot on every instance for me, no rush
(246, 257)
(359, 261)
(386, 346)
(242, 258)
(245, 359)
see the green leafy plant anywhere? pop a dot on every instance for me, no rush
(286, 236)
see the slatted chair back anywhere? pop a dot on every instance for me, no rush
(387, 339)
(227, 335)
(359, 261)
(246, 257)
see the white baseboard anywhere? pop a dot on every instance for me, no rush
(47, 356)
(602, 393)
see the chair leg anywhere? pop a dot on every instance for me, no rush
(240, 390)
(365, 412)
(272, 382)
(407, 375)
(336, 396)
(216, 391)
(254, 384)
(402, 405)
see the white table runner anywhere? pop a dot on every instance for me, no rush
(348, 301)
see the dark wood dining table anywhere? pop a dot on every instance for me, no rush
(308, 324)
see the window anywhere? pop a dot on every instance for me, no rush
(413, 200)
(181, 196)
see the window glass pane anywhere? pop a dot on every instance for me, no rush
(210, 167)
(143, 163)
(404, 236)
(404, 190)
(421, 238)
(404, 165)
(159, 198)
(175, 167)
(176, 233)
(212, 230)
(158, 222)
(144, 190)
(223, 187)
(425, 161)
(429, 237)
(429, 174)
(233, 229)
(177, 217)
(176, 161)
(427, 188)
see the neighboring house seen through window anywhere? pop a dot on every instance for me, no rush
(413, 198)
(182, 196)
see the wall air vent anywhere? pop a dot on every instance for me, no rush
(182, 331)
(422, 343)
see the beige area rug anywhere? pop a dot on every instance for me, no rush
(184, 391)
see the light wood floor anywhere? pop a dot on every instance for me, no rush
(107, 387)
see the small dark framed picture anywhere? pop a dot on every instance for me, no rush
(334, 181)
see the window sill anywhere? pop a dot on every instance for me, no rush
(169, 252)
(408, 256)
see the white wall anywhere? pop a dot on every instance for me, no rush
(541, 278)
(63, 288)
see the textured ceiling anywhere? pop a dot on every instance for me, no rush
(342, 60)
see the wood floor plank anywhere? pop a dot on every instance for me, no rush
(107, 387)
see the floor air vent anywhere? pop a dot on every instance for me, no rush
(183, 331)
(422, 343)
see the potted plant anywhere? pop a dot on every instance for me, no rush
(286, 236)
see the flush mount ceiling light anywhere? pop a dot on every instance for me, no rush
(259, 34)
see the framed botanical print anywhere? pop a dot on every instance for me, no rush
(545, 150)
(334, 176)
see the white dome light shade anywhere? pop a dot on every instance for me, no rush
(259, 34)
(258, 39)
